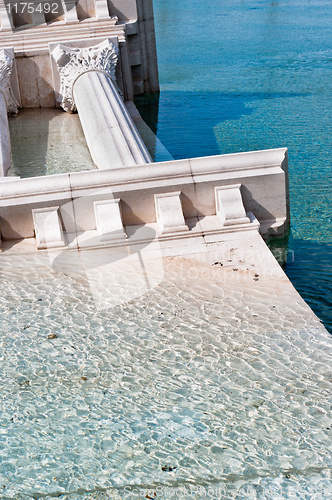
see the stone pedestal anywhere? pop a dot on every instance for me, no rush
(88, 84)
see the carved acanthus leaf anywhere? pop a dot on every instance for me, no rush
(73, 62)
(6, 66)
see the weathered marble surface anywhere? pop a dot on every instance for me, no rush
(5, 149)
(8, 103)
(48, 227)
(169, 213)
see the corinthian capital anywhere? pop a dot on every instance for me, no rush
(73, 62)
(6, 66)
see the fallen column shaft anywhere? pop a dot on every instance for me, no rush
(88, 84)
(110, 133)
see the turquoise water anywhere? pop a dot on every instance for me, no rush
(247, 75)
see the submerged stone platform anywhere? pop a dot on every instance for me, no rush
(162, 376)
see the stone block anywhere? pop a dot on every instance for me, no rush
(109, 219)
(101, 8)
(6, 18)
(44, 81)
(14, 85)
(48, 228)
(123, 9)
(28, 75)
(169, 212)
(135, 58)
(229, 205)
(71, 12)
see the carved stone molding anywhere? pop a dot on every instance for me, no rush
(6, 66)
(73, 62)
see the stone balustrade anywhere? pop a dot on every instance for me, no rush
(193, 189)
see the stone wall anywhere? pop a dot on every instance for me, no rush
(186, 199)
(85, 23)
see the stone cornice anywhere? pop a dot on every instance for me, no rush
(191, 171)
(73, 62)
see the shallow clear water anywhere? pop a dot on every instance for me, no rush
(195, 389)
(238, 76)
(47, 141)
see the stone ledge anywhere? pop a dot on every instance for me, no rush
(263, 190)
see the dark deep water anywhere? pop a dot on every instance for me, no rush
(247, 75)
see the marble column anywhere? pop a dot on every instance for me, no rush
(88, 84)
(7, 103)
